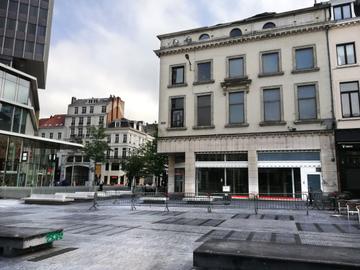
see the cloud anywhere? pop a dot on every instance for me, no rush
(106, 47)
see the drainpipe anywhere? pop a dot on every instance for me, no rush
(330, 76)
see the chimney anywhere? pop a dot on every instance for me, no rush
(73, 99)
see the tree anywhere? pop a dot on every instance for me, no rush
(134, 165)
(96, 148)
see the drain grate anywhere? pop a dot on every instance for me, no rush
(52, 254)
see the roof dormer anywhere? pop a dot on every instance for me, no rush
(342, 9)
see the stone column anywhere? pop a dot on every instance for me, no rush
(171, 173)
(253, 172)
(190, 172)
(328, 164)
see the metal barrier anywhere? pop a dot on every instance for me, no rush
(208, 201)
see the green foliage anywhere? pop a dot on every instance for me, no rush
(96, 148)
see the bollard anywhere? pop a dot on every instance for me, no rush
(255, 204)
(307, 205)
(209, 205)
(166, 202)
(95, 204)
(133, 202)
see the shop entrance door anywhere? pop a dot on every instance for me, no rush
(314, 184)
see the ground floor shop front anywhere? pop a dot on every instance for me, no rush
(266, 164)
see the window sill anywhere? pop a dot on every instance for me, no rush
(304, 122)
(203, 127)
(347, 66)
(263, 75)
(273, 123)
(176, 128)
(237, 125)
(299, 71)
(355, 118)
(177, 85)
(204, 82)
(235, 81)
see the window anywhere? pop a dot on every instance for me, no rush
(21, 27)
(177, 112)
(23, 9)
(115, 166)
(103, 109)
(342, 12)
(43, 135)
(76, 110)
(116, 153)
(33, 11)
(3, 5)
(125, 138)
(204, 72)
(31, 29)
(177, 75)
(72, 132)
(91, 109)
(59, 135)
(43, 14)
(41, 31)
(272, 105)
(124, 152)
(346, 54)
(106, 166)
(108, 138)
(23, 92)
(204, 110)
(6, 112)
(236, 108)
(88, 121)
(304, 58)
(270, 63)
(307, 102)
(39, 50)
(8, 44)
(11, 24)
(204, 37)
(73, 121)
(269, 25)
(236, 32)
(350, 99)
(101, 120)
(81, 121)
(80, 131)
(236, 67)
(116, 138)
(51, 135)
(13, 6)
(83, 110)
(10, 86)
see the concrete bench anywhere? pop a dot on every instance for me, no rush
(76, 197)
(47, 199)
(229, 254)
(151, 199)
(116, 193)
(201, 199)
(18, 240)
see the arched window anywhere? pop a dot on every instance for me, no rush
(204, 37)
(236, 32)
(269, 25)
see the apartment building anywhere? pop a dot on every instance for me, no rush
(52, 127)
(247, 106)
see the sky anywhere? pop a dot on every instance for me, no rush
(105, 47)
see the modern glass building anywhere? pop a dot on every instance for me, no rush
(25, 159)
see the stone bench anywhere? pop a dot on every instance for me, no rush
(151, 199)
(19, 240)
(47, 199)
(76, 196)
(229, 254)
(118, 193)
(201, 199)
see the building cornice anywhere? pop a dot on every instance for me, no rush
(255, 36)
(248, 135)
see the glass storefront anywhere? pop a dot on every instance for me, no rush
(27, 162)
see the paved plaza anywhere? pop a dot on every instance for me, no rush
(114, 237)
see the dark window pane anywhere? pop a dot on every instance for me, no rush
(270, 62)
(236, 67)
(23, 121)
(236, 113)
(31, 29)
(204, 72)
(13, 6)
(345, 104)
(204, 110)
(6, 112)
(33, 11)
(9, 43)
(304, 58)
(236, 98)
(11, 24)
(41, 31)
(19, 47)
(177, 112)
(307, 102)
(21, 27)
(29, 47)
(236, 32)
(204, 37)
(350, 99)
(2, 22)
(43, 14)
(269, 25)
(3, 4)
(17, 118)
(177, 75)
(337, 13)
(24, 9)
(306, 91)
(350, 54)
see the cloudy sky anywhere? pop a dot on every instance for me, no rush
(103, 47)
